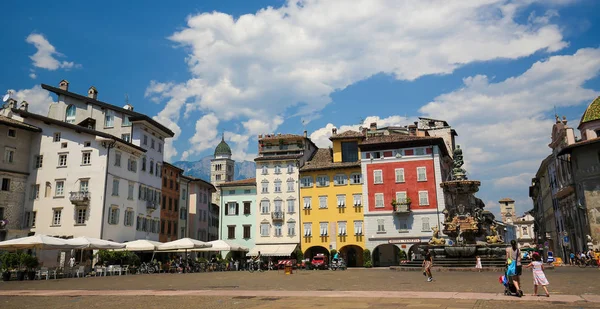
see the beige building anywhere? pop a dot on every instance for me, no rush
(507, 210)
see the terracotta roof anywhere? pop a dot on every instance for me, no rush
(75, 127)
(323, 160)
(401, 140)
(347, 134)
(134, 116)
(276, 158)
(592, 112)
(169, 165)
(506, 199)
(243, 182)
(18, 124)
(570, 148)
(267, 137)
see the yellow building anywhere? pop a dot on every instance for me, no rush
(331, 200)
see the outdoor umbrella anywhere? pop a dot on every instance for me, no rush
(39, 241)
(222, 245)
(183, 244)
(93, 243)
(141, 245)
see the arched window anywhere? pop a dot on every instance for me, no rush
(70, 114)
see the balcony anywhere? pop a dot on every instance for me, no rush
(151, 204)
(80, 198)
(277, 216)
(402, 208)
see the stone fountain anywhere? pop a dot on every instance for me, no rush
(470, 228)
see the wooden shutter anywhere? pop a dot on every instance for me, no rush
(237, 209)
(227, 209)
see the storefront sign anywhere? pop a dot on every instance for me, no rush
(404, 241)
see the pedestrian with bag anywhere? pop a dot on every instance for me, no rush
(514, 267)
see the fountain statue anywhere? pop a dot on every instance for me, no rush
(436, 239)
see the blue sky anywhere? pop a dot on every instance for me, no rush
(494, 69)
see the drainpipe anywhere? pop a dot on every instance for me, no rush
(108, 146)
(187, 208)
(220, 212)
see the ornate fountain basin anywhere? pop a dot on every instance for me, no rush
(460, 251)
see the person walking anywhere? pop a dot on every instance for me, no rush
(539, 278)
(427, 264)
(478, 263)
(513, 259)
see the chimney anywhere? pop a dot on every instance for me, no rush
(24, 106)
(305, 134)
(12, 103)
(333, 131)
(564, 120)
(373, 126)
(93, 93)
(64, 85)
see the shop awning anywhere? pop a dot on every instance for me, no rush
(273, 250)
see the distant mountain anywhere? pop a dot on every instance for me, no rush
(201, 168)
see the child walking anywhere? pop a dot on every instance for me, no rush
(478, 264)
(539, 278)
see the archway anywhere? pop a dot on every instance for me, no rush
(353, 255)
(314, 250)
(416, 251)
(386, 255)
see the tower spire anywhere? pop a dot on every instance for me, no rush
(223, 136)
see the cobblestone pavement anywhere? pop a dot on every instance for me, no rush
(566, 280)
(179, 302)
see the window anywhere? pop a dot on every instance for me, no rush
(62, 160)
(399, 175)
(5, 184)
(151, 167)
(70, 114)
(35, 192)
(278, 205)
(322, 181)
(126, 121)
(247, 231)
(231, 232)
(145, 139)
(109, 119)
(421, 174)
(130, 191)
(9, 155)
(128, 217)
(525, 232)
(358, 226)
(290, 168)
(291, 228)
(12, 133)
(117, 158)
(349, 151)
(126, 137)
(290, 185)
(306, 182)
(323, 201)
(419, 151)
(57, 137)
(159, 147)
(176, 205)
(264, 229)
(143, 163)
(380, 226)
(264, 207)
(277, 185)
(379, 200)
(265, 170)
(38, 161)
(291, 206)
(60, 188)
(342, 228)
(247, 208)
(217, 177)
(33, 217)
(265, 187)
(401, 197)
(339, 180)
(376, 155)
(87, 144)
(307, 229)
(356, 179)
(63, 145)
(152, 143)
(231, 192)
(132, 164)
(378, 176)
(277, 169)
(57, 213)
(357, 200)
(183, 194)
(81, 212)
(113, 215)
(86, 158)
(115, 187)
(423, 198)
(277, 227)
(425, 225)
(231, 209)
(323, 228)
(84, 185)
(247, 191)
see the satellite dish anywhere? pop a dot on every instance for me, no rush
(6, 97)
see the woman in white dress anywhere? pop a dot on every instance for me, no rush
(539, 278)
(478, 264)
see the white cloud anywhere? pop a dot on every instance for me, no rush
(262, 67)
(32, 75)
(44, 58)
(39, 99)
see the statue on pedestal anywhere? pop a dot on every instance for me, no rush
(458, 173)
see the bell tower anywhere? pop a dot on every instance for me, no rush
(222, 168)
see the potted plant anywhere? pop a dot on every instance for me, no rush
(30, 263)
(402, 205)
(367, 258)
(7, 261)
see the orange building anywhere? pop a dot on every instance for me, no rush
(169, 209)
